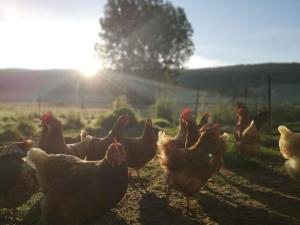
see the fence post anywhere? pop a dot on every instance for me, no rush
(270, 102)
(246, 94)
(39, 101)
(197, 103)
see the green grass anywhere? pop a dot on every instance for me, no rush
(262, 160)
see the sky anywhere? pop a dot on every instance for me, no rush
(61, 34)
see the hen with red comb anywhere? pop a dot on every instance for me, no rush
(46, 117)
(186, 112)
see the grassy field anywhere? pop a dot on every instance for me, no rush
(247, 191)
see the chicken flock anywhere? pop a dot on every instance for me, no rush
(84, 176)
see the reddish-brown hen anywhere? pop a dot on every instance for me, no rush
(77, 191)
(187, 125)
(52, 139)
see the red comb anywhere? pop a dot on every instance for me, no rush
(239, 110)
(46, 117)
(185, 113)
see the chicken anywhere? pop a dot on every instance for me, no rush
(78, 191)
(289, 143)
(98, 146)
(142, 149)
(248, 143)
(17, 178)
(188, 169)
(180, 137)
(52, 139)
(289, 146)
(247, 132)
(187, 125)
(192, 131)
(243, 118)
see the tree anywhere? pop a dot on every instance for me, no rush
(145, 37)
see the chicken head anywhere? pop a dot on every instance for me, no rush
(116, 154)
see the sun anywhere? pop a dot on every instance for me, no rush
(89, 68)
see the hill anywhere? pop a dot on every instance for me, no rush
(68, 86)
(241, 75)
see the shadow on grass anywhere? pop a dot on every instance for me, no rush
(276, 201)
(153, 210)
(111, 218)
(226, 212)
(234, 160)
(271, 179)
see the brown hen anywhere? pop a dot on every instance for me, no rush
(77, 191)
(52, 139)
(188, 169)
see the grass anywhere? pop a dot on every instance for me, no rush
(265, 157)
(10, 135)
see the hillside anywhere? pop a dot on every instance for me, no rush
(242, 75)
(250, 80)
(67, 86)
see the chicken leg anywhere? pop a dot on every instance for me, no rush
(187, 204)
(168, 194)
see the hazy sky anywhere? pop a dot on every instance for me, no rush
(40, 34)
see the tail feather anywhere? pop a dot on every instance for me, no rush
(79, 149)
(83, 134)
(250, 128)
(37, 157)
(164, 142)
(292, 166)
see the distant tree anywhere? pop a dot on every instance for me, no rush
(150, 38)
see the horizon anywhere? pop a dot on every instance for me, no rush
(185, 69)
(61, 35)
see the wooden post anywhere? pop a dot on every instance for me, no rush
(197, 103)
(270, 102)
(39, 101)
(234, 93)
(246, 94)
